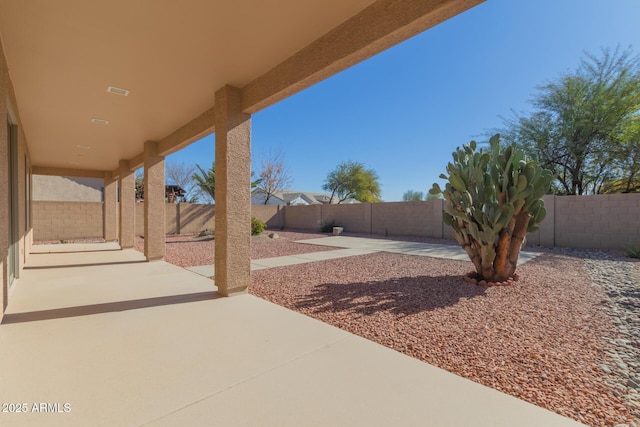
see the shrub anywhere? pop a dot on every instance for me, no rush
(632, 251)
(257, 226)
(327, 227)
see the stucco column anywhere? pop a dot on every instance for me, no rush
(233, 193)
(109, 208)
(127, 185)
(154, 205)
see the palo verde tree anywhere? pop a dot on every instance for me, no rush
(353, 180)
(581, 126)
(494, 199)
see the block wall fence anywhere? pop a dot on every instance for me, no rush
(599, 222)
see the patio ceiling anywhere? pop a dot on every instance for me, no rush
(172, 56)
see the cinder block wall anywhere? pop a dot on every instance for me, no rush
(355, 218)
(273, 215)
(303, 217)
(404, 219)
(603, 221)
(66, 220)
(599, 222)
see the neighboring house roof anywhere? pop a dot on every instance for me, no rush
(293, 197)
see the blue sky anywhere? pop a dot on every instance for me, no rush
(404, 111)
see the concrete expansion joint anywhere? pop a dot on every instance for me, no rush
(323, 347)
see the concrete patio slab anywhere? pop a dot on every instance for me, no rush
(339, 253)
(264, 263)
(74, 247)
(401, 247)
(176, 360)
(80, 279)
(280, 261)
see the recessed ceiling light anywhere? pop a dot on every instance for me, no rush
(100, 121)
(118, 91)
(84, 147)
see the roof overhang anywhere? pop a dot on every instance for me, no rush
(63, 56)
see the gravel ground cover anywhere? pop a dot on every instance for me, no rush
(547, 339)
(191, 250)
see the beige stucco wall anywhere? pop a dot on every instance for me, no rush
(21, 184)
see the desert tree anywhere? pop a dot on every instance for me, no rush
(578, 123)
(353, 180)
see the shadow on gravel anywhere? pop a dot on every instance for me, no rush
(401, 296)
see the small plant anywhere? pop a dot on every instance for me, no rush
(257, 226)
(632, 251)
(327, 227)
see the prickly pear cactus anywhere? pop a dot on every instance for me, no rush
(494, 199)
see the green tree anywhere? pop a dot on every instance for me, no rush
(580, 125)
(206, 181)
(413, 196)
(353, 180)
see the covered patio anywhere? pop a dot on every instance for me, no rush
(104, 335)
(151, 344)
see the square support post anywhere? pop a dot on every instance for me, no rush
(110, 209)
(154, 204)
(233, 193)
(127, 186)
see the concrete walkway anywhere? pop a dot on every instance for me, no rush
(103, 338)
(354, 246)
